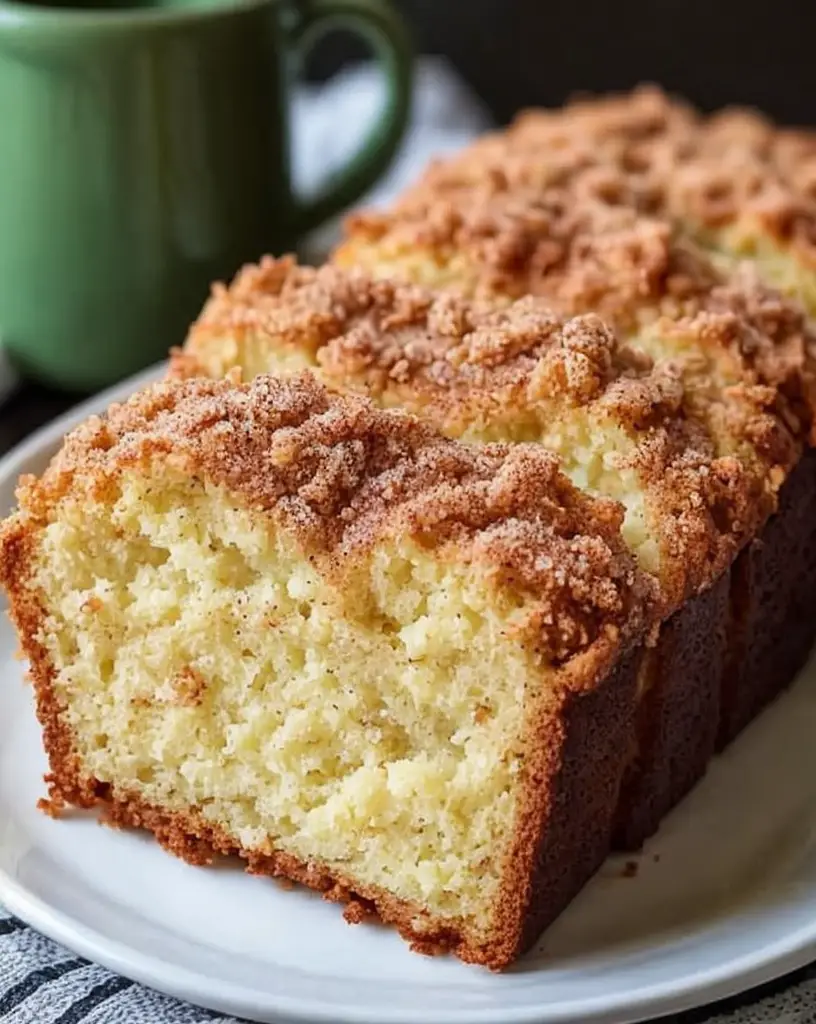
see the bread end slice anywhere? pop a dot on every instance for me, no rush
(268, 621)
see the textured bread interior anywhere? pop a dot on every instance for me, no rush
(373, 729)
(775, 264)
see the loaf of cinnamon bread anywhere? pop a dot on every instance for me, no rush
(434, 574)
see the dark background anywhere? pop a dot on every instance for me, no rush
(518, 53)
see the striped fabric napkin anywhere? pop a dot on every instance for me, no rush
(42, 983)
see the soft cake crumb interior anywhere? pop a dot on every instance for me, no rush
(444, 267)
(776, 264)
(205, 663)
(594, 452)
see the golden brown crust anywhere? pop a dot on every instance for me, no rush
(197, 841)
(773, 595)
(339, 474)
(678, 714)
(579, 751)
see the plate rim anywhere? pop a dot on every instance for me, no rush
(651, 1003)
(749, 970)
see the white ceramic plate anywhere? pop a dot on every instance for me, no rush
(723, 898)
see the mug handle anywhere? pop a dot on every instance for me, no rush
(382, 27)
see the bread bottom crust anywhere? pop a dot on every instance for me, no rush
(195, 840)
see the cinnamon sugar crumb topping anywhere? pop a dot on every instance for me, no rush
(386, 334)
(520, 372)
(342, 476)
(659, 156)
(630, 270)
(466, 359)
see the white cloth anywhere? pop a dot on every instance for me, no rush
(446, 116)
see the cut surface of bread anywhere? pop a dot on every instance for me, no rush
(267, 620)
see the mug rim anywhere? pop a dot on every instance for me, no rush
(18, 15)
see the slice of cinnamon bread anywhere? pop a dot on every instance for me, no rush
(402, 670)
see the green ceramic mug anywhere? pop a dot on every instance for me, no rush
(144, 154)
